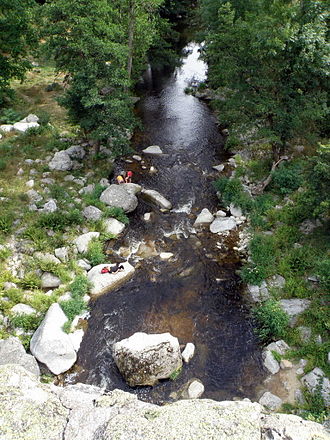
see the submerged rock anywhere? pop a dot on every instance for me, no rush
(188, 352)
(116, 195)
(51, 345)
(195, 389)
(105, 282)
(157, 198)
(144, 359)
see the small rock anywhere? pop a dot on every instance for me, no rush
(50, 206)
(113, 226)
(87, 189)
(8, 285)
(84, 264)
(220, 213)
(147, 216)
(153, 170)
(285, 364)
(49, 281)
(270, 362)
(104, 182)
(34, 196)
(92, 213)
(204, 218)
(305, 333)
(46, 257)
(270, 401)
(219, 167)
(153, 149)
(166, 255)
(222, 225)
(20, 172)
(195, 389)
(30, 183)
(313, 379)
(280, 347)
(276, 281)
(235, 210)
(6, 128)
(23, 309)
(188, 352)
(293, 307)
(62, 254)
(61, 162)
(137, 158)
(83, 240)
(76, 152)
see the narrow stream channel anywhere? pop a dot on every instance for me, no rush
(196, 294)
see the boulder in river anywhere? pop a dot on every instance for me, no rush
(105, 282)
(116, 195)
(221, 224)
(204, 218)
(51, 345)
(144, 359)
(155, 197)
(188, 352)
(153, 149)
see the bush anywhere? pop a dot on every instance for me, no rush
(231, 191)
(3, 164)
(117, 213)
(60, 220)
(272, 321)
(80, 286)
(323, 271)
(30, 281)
(287, 178)
(73, 307)
(297, 261)
(9, 116)
(6, 223)
(26, 322)
(95, 252)
(4, 253)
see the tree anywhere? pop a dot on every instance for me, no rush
(17, 37)
(88, 43)
(270, 56)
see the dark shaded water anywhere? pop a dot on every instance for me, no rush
(195, 295)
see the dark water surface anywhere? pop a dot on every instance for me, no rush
(196, 295)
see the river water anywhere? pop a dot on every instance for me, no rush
(196, 295)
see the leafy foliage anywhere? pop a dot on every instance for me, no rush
(117, 213)
(59, 220)
(272, 321)
(95, 252)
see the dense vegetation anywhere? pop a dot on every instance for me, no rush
(269, 73)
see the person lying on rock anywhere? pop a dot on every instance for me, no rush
(113, 269)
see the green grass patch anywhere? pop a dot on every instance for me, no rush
(117, 213)
(26, 322)
(60, 220)
(95, 252)
(272, 322)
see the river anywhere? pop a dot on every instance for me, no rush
(196, 295)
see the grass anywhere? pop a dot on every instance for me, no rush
(117, 213)
(76, 305)
(95, 254)
(272, 322)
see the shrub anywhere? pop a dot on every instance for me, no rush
(95, 252)
(297, 261)
(323, 271)
(80, 286)
(285, 236)
(4, 253)
(272, 321)
(60, 220)
(26, 322)
(9, 116)
(231, 191)
(117, 213)
(3, 164)
(30, 281)
(73, 307)
(287, 178)
(251, 274)
(41, 302)
(6, 223)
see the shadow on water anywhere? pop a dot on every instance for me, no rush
(195, 295)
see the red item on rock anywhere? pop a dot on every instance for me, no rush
(105, 270)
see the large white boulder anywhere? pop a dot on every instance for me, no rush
(51, 345)
(204, 218)
(156, 198)
(6, 128)
(221, 224)
(105, 282)
(116, 195)
(143, 358)
(61, 162)
(30, 118)
(83, 241)
(22, 127)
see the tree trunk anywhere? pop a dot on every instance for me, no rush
(260, 188)
(131, 31)
(96, 146)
